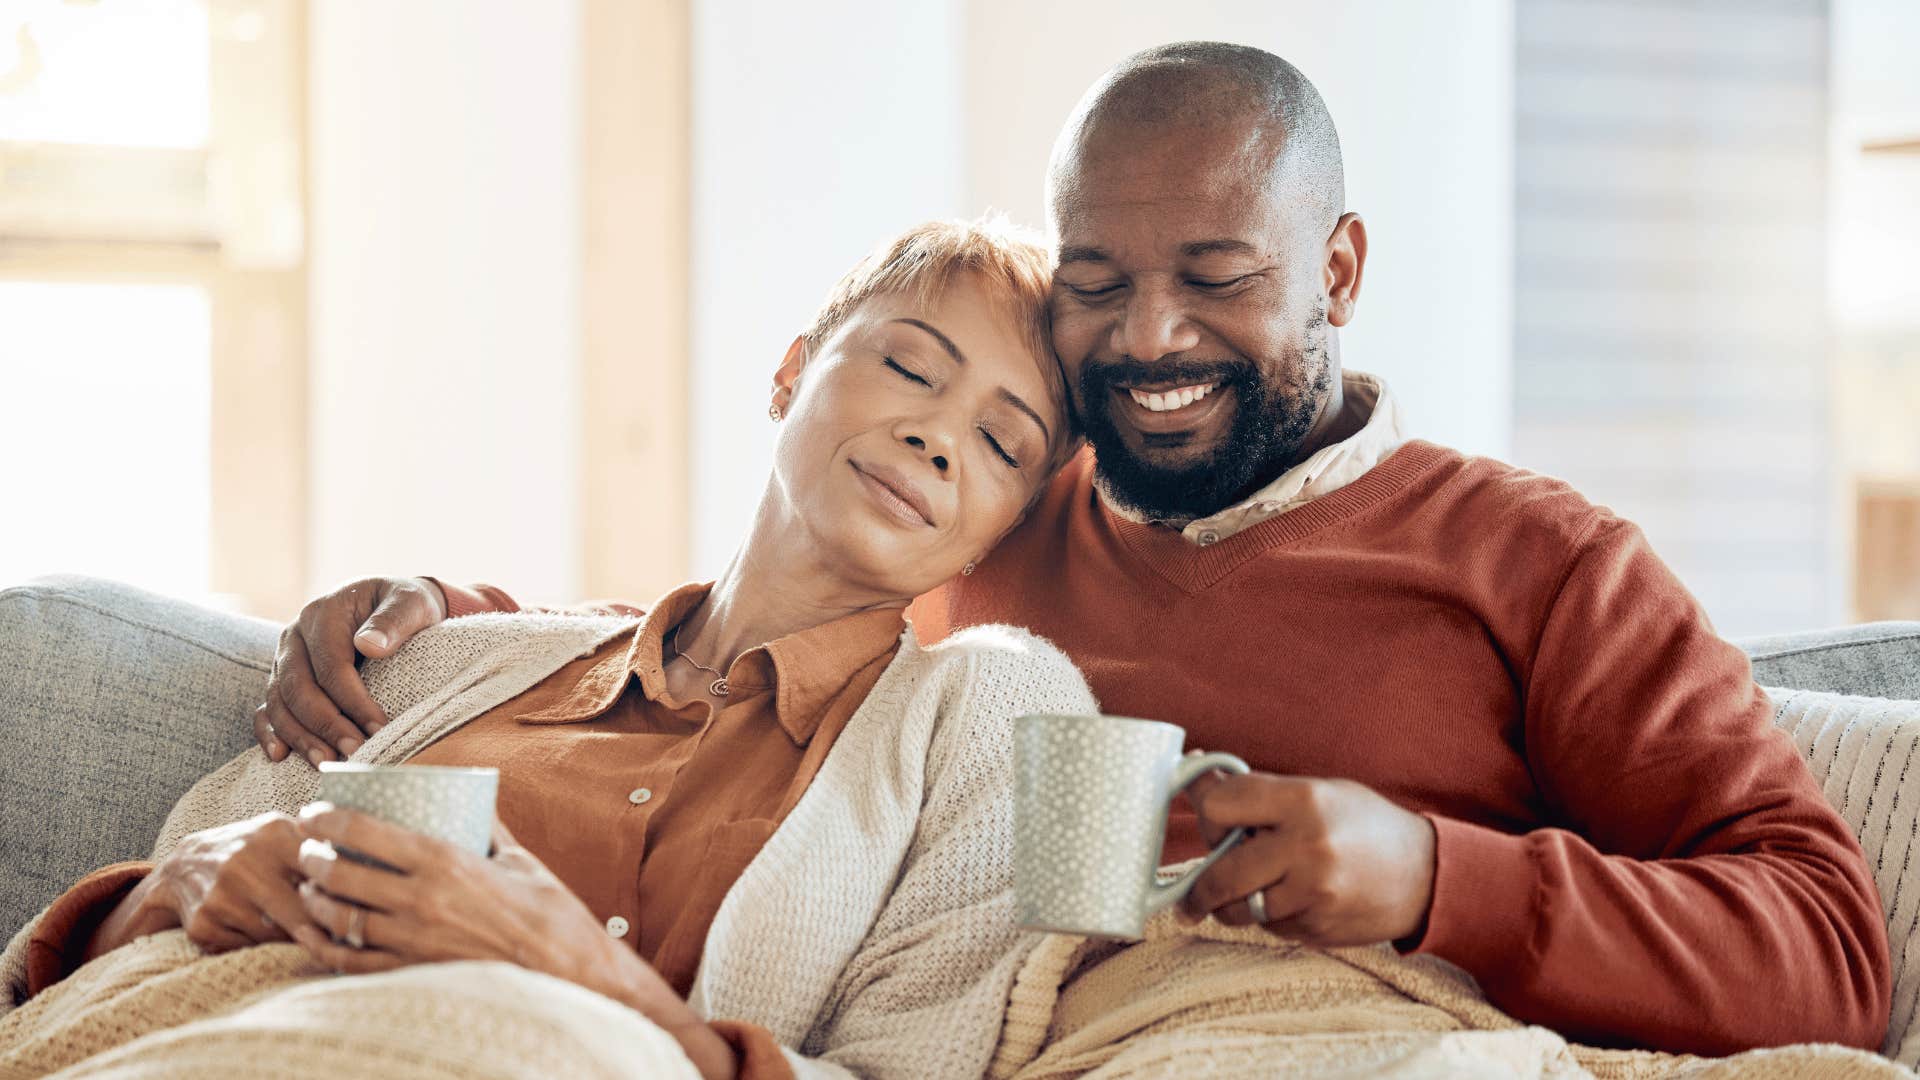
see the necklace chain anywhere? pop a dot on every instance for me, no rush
(719, 686)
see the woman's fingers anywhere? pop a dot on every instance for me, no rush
(368, 886)
(403, 849)
(340, 918)
(280, 913)
(344, 958)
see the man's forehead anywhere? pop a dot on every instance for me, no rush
(1166, 191)
(1224, 221)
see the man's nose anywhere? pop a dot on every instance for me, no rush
(1153, 324)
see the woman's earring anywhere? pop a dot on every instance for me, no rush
(774, 411)
(967, 570)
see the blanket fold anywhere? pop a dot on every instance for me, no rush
(1218, 1001)
(160, 1007)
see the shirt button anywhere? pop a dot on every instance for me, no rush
(616, 927)
(639, 795)
(1209, 537)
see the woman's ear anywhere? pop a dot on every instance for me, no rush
(788, 374)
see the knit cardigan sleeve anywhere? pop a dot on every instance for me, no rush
(1698, 862)
(926, 993)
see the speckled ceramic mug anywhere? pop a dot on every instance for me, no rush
(450, 803)
(1090, 812)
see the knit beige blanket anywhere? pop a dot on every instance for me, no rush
(160, 1007)
(1214, 1001)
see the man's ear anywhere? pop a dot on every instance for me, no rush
(1346, 262)
(787, 374)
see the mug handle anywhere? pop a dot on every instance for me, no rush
(1191, 768)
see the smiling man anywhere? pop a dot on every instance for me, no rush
(1486, 722)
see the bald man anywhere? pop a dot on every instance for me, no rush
(1485, 721)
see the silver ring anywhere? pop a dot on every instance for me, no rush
(1257, 903)
(356, 927)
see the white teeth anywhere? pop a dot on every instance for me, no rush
(1177, 398)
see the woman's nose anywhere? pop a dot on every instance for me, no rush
(920, 444)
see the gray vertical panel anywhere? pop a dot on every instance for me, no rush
(1670, 352)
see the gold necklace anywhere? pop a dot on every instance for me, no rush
(719, 686)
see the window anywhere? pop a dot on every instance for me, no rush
(152, 294)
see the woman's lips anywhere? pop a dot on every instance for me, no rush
(895, 493)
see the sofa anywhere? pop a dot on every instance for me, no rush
(113, 701)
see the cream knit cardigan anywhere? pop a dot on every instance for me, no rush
(873, 934)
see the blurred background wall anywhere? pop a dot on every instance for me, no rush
(292, 292)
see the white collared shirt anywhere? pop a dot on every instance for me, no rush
(1329, 469)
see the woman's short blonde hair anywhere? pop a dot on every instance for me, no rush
(1013, 262)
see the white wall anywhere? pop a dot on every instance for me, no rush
(1423, 99)
(1875, 198)
(818, 129)
(445, 292)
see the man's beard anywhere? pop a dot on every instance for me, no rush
(1269, 425)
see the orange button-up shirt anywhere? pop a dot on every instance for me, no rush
(648, 807)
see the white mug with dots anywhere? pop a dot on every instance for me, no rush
(446, 802)
(1090, 811)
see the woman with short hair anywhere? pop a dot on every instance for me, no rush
(761, 795)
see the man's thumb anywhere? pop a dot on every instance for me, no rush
(404, 613)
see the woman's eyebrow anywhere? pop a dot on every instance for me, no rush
(1006, 395)
(945, 341)
(1015, 400)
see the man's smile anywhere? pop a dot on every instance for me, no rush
(1164, 411)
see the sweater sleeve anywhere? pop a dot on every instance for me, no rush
(59, 941)
(925, 995)
(1698, 882)
(480, 599)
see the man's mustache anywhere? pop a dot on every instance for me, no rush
(1128, 371)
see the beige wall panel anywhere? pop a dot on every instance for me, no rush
(635, 509)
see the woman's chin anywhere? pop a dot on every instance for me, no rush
(886, 564)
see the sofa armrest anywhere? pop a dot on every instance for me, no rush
(1865, 754)
(1871, 660)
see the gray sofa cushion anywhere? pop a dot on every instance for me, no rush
(113, 701)
(1870, 660)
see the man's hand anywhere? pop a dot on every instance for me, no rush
(1336, 862)
(316, 704)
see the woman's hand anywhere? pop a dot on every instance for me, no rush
(443, 903)
(228, 887)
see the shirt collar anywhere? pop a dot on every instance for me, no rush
(813, 666)
(803, 670)
(1325, 471)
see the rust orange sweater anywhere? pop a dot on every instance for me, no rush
(1628, 851)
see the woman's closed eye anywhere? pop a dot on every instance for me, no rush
(1012, 462)
(902, 369)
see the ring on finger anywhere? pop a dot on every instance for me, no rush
(1257, 904)
(357, 928)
